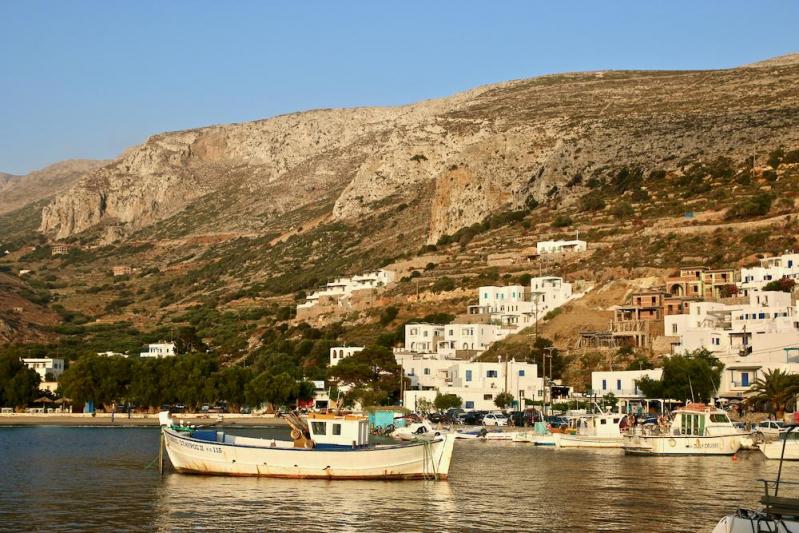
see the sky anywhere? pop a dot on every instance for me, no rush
(88, 79)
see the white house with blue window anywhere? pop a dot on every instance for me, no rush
(518, 306)
(622, 383)
(748, 338)
(770, 269)
(477, 383)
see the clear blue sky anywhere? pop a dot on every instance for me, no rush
(86, 79)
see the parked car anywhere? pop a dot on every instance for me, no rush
(436, 417)
(521, 418)
(495, 419)
(473, 418)
(455, 413)
(770, 427)
(558, 422)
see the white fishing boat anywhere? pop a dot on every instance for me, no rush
(593, 431)
(696, 429)
(774, 449)
(328, 447)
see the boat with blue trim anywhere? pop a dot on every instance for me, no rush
(327, 446)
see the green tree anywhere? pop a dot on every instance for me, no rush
(372, 373)
(19, 385)
(447, 401)
(690, 376)
(610, 400)
(388, 314)
(783, 285)
(230, 384)
(777, 389)
(503, 400)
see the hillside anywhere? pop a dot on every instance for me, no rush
(227, 226)
(18, 191)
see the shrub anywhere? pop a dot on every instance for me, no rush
(755, 206)
(561, 221)
(623, 210)
(783, 285)
(592, 202)
(388, 314)
(443, 284)
(775, 157)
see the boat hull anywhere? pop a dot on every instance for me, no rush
(682, 445)
(588, 441)
(773, 450)
(419, 460)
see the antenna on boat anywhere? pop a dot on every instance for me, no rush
(692, 389)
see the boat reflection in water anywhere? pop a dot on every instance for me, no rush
(242, 504)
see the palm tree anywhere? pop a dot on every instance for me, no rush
(777, 388)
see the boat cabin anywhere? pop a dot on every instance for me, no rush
(701, 420)
(338, 430)
(599, 425)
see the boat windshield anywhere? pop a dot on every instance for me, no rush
(719, 418)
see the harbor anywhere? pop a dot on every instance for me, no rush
(92, 478)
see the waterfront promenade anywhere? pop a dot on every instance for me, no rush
(136, 419)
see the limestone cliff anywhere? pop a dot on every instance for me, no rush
(454, 160)
(17, 191)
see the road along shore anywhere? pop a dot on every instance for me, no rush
(121, 420)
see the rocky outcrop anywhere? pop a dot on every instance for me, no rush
(454, 160)
(17, 191)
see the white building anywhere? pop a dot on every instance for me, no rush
(555, 247)
(421, 337)
(622, 382)
(160, 349)
(44, 366)
(770, 269)
(471, 337)
(549, 292)
(477, 383)
(337, 353)
(342, 288)
(747, 338)
(112, 354)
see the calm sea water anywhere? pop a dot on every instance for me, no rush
(58, 479)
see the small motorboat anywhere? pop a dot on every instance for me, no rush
(786, 447)
(498, 434)
(328, 446)
(601, 430)
(471, 433)
(780, 512)
(416, 431)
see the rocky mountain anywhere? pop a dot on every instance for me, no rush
(18, 191)
(433, 167)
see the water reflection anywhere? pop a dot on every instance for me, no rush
(95, 478)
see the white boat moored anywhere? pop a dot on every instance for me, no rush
(696, 429)
(333, 447)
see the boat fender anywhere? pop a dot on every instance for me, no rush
(672, 443)
(420, 430)
(437, 434)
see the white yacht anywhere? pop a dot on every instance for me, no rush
(696, 429)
